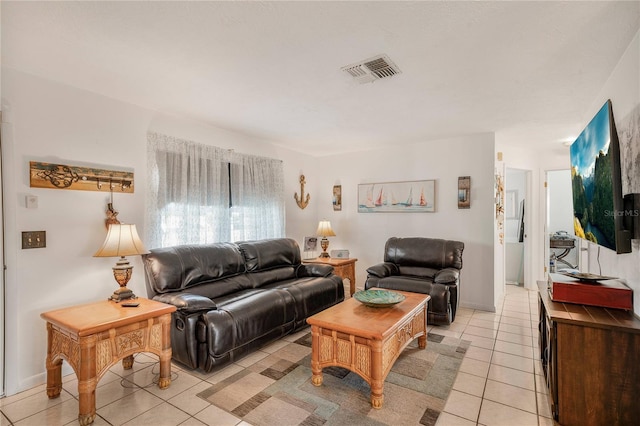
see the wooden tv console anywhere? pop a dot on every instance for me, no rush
(591, 361)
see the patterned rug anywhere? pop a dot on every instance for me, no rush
(277, 390)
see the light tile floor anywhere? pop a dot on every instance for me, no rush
(499, 382)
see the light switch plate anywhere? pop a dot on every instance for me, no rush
(31, 201)
(34, 239)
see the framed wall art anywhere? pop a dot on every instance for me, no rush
(464, 192)
(337, 197)
(397, 197)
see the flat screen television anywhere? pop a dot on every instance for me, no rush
(596, 184)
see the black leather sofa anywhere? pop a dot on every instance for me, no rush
(422, 265)
(234, 298)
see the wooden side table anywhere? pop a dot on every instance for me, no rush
(344, 268)
(93, 337)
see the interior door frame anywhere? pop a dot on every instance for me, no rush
(3, 271)
(528, 281)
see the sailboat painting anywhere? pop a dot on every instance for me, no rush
(397, 197)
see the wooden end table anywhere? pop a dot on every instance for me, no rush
(93, 337)
(366, 340)
(344, 268)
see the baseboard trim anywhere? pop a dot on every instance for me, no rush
(478, 307)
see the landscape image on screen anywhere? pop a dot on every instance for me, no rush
(591, 181)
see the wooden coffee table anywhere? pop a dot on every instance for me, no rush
(95, 336)
(366, 340)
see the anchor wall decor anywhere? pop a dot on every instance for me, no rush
(302, 201)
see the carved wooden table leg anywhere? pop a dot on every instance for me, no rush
(54, 378)
(350, 274)
(87, 380)
(316, 370)
(165, 355)
(87, 397)
(347, 272)
(127, 362)
(54, 366)
(422, 342)
(377, 379)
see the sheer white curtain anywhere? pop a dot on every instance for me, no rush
(202, 194)
(188, 193)
(257, 198)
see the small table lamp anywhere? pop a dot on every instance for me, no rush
(122, 240)
(324, 230)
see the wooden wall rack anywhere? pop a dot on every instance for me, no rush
(60, 176)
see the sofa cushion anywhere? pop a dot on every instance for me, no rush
(244, 317)
(262, 278)
(439, 292)
(178, 268)
(223, 286)
(426, 252)
(187, 302)
(417, 271)
(313, 294)
(270, 254)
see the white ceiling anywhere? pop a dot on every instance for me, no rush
(525, 70)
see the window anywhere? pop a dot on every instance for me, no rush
(203, 194)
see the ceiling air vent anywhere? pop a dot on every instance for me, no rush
(372, 69)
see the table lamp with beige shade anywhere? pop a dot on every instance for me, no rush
(324, 230)
(122, 240)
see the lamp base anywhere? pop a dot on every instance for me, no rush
(123, 293)
(324, 243)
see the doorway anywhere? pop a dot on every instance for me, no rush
(562, 246)
(515, 223)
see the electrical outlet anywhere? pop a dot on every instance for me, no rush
(34, 239)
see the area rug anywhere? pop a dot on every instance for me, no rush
(277, 390)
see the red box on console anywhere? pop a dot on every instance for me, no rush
(611, 293)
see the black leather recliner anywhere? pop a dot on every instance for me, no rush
(234, 298)
(422, 265)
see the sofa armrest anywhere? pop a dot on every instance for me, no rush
(313, 270)
(187, 302)
(447, 276)
(382, 270)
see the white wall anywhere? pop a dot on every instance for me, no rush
(49, 122)
(365, 234)
(623, 88)
(560, 201)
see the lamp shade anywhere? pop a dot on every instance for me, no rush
(324, 229)
(122, 240)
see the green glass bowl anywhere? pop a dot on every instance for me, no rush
(376, 298)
